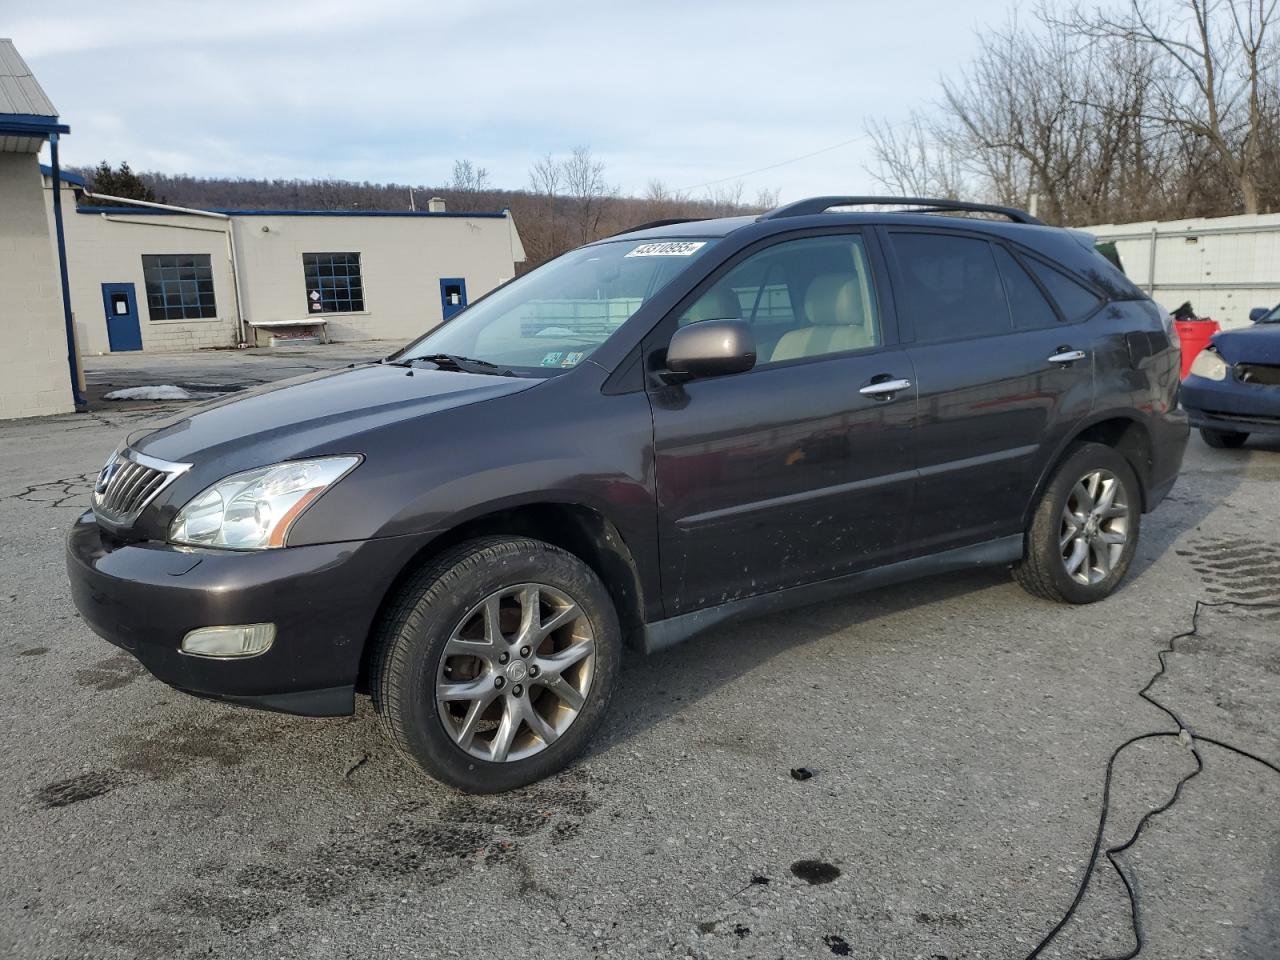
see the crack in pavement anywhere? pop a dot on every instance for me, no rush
(57, 493)
(1185, 735)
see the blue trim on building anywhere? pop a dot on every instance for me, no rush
(73, 367)
(30, 125)
(152, 211)
(65, 177)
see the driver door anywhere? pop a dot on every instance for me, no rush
(800, 469)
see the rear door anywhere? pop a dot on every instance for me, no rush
(1003, 377)
(789, 473)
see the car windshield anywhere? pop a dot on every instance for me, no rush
(556, 316)
(1272, 317)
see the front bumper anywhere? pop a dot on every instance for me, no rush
(145, 597)
(1231, 406)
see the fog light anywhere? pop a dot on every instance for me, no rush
(248, 640)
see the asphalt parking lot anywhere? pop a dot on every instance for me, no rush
(958, 733)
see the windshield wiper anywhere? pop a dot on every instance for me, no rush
(461, 364)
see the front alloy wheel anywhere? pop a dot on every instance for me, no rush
(516, 672)
(494, 664)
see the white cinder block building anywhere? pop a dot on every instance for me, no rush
(1223, 266)
(35, 370)
(163, 279)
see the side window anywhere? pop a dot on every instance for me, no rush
(952, 287)
(802, 298)
(1075, 300)
(1031, 311)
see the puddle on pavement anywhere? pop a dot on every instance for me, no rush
(814, 872)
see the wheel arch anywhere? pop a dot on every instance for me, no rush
(1123, 432)
(582, 530)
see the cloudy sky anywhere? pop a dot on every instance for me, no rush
(396, 90)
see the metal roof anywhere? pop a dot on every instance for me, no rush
(20, 94)
(420, 214)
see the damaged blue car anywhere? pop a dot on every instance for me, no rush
(1233, 388)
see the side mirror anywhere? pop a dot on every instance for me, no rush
(1257, 313)
(710, 348)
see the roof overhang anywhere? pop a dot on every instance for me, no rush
(20, 124)
(27, 133)
(71, 179)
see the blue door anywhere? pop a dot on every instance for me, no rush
(453, 295)
(123, 332)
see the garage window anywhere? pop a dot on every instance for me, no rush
(333, 281)
(179, 286)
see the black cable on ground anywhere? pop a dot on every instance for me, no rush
(1183, 734)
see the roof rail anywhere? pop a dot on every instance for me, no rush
(802, 208)
(651, 224)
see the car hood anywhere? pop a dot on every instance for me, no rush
(295, 417)
(1257, 344)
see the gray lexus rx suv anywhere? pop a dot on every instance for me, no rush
(650, 435)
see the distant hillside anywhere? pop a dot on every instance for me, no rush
(550, 223)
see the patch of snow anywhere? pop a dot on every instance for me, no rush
(167, 391)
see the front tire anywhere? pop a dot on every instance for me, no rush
(1084, 531)
(1223, 439)
(496, 662)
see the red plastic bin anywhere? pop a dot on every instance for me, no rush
(1195, 336)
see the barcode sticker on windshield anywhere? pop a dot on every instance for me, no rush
(668, 248)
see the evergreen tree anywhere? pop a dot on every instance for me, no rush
(120, 183)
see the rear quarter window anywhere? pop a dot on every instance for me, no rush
(1075, 300)
(1031, 311)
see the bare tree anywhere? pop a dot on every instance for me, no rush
(584, 182)
(1222, 85)
(1048, 115)
(662, 203)
(469, 178)
(723, 200)
(543, 231)
(766, 199)
(918, 159)
(544, 177)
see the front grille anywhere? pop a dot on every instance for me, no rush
(129, 482)
(1260, 374)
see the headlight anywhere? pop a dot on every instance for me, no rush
(253, 510)
(1209, 364)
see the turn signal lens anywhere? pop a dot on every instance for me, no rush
(1209, 364)
(224, 643)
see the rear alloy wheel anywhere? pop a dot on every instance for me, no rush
(1223, 439)
(1084, 532)
(496, 663)
(1094, 531)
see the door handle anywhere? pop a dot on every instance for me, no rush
(884, 389)
(1067, 355)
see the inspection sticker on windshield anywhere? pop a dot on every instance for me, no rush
(668, 248)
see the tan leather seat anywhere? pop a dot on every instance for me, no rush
(840, 317)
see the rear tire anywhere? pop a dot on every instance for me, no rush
(1084, 531)
(496, 662)
(1223, 439)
